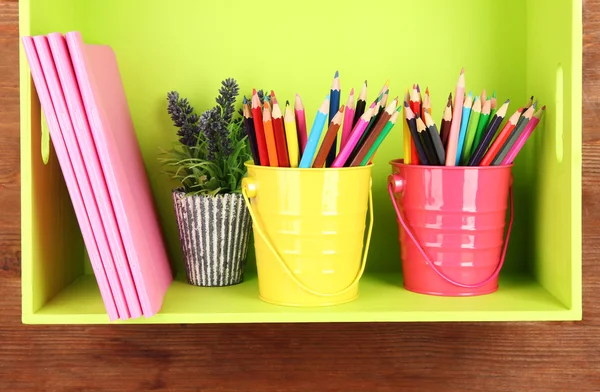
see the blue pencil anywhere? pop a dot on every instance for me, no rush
(315, 135)
(464, 124)
(334, 107)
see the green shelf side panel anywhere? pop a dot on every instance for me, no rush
(552, 157)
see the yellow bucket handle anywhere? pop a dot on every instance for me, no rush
(245, 185)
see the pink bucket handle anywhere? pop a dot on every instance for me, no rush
(396, 184)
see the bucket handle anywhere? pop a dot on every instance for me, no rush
(248, 187)
(396, 184)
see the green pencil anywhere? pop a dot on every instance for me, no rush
(471, 131)
(386, 129)
(481, 125)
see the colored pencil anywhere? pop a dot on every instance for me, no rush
(437, 140)
(464, 124)
(270, 135)
(250, 131)
(280, 140)
(348, 117)
(501, 139)
(406, 138)
(427, 141)
(446, 123)
(493, 106)
(482, 124)
(456, 117)
(386, 130)
(334, 107)
(415, 106)
(482, 147)
(355, 135)
(412, 125)
(300, 123)
(315, 135)
(426, 107)
(328, 139)
(514, 135)
(471, 131)
(261, 141)
(374, 134)
(291, 135)
(522, 139)
(361, 104)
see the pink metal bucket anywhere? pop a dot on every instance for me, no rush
(451, 223)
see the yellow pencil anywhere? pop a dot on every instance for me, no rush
(406, 132)
(291, 135)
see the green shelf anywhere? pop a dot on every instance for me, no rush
(515, 47)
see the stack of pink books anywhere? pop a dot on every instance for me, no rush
(83, 99)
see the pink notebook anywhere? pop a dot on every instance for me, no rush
(108, 113)
(62, 60)
(69, 176)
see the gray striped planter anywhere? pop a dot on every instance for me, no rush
(214, 232)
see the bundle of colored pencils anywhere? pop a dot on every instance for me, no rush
(281, 139)
(471, 131)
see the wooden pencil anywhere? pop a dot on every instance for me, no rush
(348, 118)
(514, 135)
(489, 133)
(406, 138)
(261, 140)
(328, 139)
(471, 131)
(270, 135)
(436, 139)
(291, 135)
(386, 130)
(427, 141)
(361, 104)
(374, 134)
(522, 139)
(412, 126)
(334, 106)
(355, 135)
(315, 135)
(456, 118)
(446, 122)
(300, 123)
(250, 131)
(501, 139)
(280, 139)
(464, 124)
(415, 106)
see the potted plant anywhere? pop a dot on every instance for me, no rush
(208, 162)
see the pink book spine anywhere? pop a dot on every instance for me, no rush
(56, 94)
(69, 176)
(70, 88)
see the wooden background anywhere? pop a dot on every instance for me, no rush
(338, 357)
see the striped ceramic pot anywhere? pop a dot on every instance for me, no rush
(214, 232)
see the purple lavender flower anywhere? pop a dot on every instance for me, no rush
(183, 116)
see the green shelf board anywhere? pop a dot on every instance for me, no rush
(381, 299)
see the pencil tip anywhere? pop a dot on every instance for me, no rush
(494, 94)
(427, 90)
(462, 71)
(470, 94)
(418, 88)
(507, 101)
(337, 74)
(272, 93)
(365, 83)
(245, 100)
(253, 91)
(287, 103)
(352, 91)
(405, 104)
(544, 107)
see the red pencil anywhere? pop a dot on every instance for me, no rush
(496, 146)
(415, 106)
(282, 153)
(259, 129)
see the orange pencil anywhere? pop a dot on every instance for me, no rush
(279, 132)
(328, 139)
(496, 146)
(270, 135)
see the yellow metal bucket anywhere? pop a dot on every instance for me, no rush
(309, 232)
